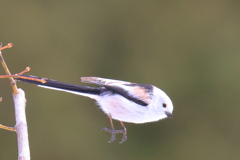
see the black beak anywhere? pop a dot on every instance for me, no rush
(169, 115)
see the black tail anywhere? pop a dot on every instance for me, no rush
(60, 85)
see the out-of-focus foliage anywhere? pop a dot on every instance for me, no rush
(190, 49)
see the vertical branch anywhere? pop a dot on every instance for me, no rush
(21, 125)
(20, 115)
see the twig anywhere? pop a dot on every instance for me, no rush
(13, 83)
(19, 75)
(27, 69)
(9, 45)
(7, 128)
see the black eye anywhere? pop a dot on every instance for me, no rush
(164, 105)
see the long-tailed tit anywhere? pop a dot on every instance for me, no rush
(120, 100)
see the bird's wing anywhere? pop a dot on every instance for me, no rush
(138, 93)
(102, 81)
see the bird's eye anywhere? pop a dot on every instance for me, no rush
(164, 105)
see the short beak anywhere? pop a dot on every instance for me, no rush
(169, 115)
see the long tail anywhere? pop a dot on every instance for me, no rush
(91, 92)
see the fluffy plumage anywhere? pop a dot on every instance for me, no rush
(120, 100)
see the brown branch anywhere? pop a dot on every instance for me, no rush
(7, 128)
(19, 75)
(12, 81)
(9, 45)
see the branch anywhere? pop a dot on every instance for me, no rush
(20, 115)
(21, 125)
(7, 128)
(13, 83)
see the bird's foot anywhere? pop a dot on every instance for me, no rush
(114, 132)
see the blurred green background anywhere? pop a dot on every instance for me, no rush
(190, 49)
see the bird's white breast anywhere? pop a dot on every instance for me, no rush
(122, 109)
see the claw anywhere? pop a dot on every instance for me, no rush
(124, 138)
(114, 132)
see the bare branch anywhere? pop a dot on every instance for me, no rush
(7, 128)
(13, 83)
(21, 125)
(9, 45)
(20, 115)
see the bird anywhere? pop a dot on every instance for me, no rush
(119, 100)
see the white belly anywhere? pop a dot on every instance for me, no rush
(120, 108)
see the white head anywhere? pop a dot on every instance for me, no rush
(163, 103)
